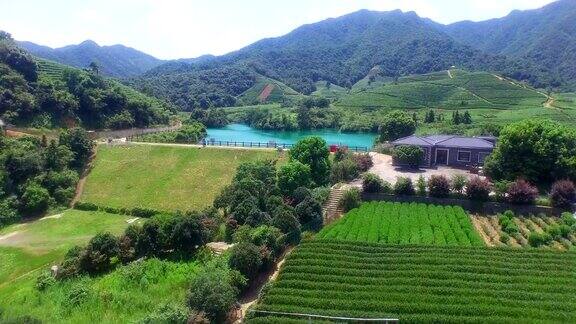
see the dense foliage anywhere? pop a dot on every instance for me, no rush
(539, 151)
(313, 152)
(397, 124)
(66, 96)
(409, 155)
(563, 194)
(36, 175)
(438, 186)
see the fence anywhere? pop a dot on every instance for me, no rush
(311, 317)
(132, 133)
(484, 208)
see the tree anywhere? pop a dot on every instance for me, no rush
(466, 118)
(293, 175)
(77, 140)
(309, 213)
(540, 151)
(563, 194)
(285, 219)
(456, 118)
(98, 255)
(245, 258)
(212, 291)
(430, 117)
(35, 199)
(188, 233)
(313, 152)
(409, 155)
(94, 68)
(395, 125)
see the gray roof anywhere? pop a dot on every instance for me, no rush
(412, 140)
(446, 141)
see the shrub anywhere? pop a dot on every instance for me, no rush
(439, 186)
(344, 171)
(309, 213)
(504, 238)
(293, 175)
(404, 186)
(300, 194)
(321, 194)
(342, 153)
(536, 239)
(458, 183)
(421, 186)
(395, 125)
(363, 161)
(168, 314)
(85, 206)
(45, 280)
(372, 183)
(99, 253)
(285, 220)
(507, 223)
(501, 189)
(563, 194)
(522, 193)
(411, 156)
(350, 200)
(8, 211)
(35, 199)
(144, 212)
(568, 219)
(212, 292)
(245, 257)
(478, 189)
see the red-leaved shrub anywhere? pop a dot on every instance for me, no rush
(478, 189)
(521, 192)
(439, 186)
(364, 161)
(563, 194)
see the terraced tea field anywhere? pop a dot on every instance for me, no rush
(403, 223)
(424, 284)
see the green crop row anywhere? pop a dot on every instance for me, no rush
(449, 284)
(403, 223)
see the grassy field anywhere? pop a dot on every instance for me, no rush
(27, 248)
(425, 283)
(164, 177)
(396, 223)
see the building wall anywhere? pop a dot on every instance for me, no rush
(475, 155)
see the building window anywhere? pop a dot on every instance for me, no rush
(464, 156)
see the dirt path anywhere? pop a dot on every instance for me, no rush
(250, 297)
(82, 181)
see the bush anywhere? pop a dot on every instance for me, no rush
(99, 253)
(537, 239)
(421, 186)
(144, 212)
(363, 161)
(395, 125)
(458, 183)
(507, 223)
(563, 194)
(286, 221)
(8, 211)
(478, 189)
(245, 257)
(293, 175)
(212, 292)
(501, 189)
(411, 156)
(35, 199)
(45, 280)
(439, 186)
(86, 206)
(342, 153)
(350, 200)
(568, 219)
(321, 194)
(504, 238)
(522, 193)
(309, 213)
(344, 171)
(300, 194)
(167, 314)
(404, 186)
(372, 183)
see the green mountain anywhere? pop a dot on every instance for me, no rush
(545, 37)
(115, 61)
(40, 93)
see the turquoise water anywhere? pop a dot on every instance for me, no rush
(244, 133)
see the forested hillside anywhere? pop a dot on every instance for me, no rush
(116, 61)
(340, 52)
(46, 94)
(545, 37)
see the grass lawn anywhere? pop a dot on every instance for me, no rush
(162, 177)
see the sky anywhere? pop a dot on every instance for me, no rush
(170, 29)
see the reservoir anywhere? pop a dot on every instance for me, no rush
(244, 133)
